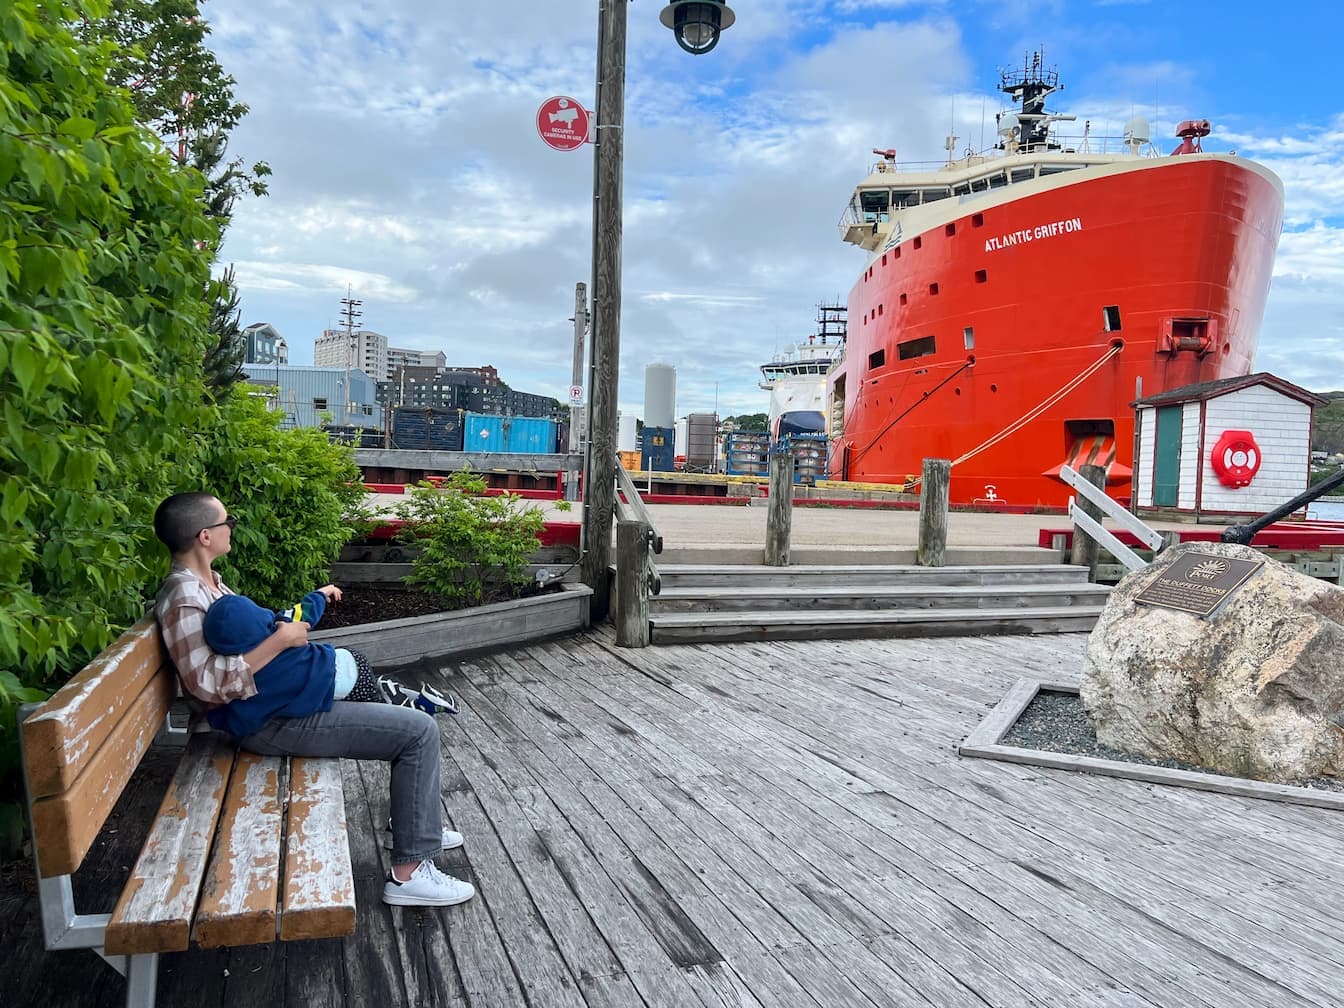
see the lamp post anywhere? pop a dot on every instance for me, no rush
(697, 25)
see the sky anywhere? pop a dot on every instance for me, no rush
(409, 172)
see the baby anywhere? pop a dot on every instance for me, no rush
(300, 680)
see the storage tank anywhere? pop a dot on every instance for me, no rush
(679, 440)
(700, 452)
(627, 437)
(660, 395)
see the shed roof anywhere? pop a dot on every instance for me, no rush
(1212, 389)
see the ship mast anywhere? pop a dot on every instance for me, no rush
(1030, 86)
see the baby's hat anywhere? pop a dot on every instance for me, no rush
(235, 625)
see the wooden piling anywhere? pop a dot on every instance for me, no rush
(1085, 549)
(631, 609)
(779, 517)
(933, 497)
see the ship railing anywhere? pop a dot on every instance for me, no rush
(637, 577)
(1060, 143)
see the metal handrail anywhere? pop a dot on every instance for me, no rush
(1243, 534)
(634, 507)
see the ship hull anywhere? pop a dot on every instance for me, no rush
(964, 338)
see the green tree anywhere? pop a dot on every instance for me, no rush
(104, 253)
(224, 359)
(749, 421)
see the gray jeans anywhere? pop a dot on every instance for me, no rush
(405, 737)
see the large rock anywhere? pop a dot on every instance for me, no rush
(1252, 691)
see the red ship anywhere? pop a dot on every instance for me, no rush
(1015, 303)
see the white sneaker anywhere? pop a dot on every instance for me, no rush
(427, 886)
(451, 839)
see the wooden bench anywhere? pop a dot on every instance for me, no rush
(244, 849)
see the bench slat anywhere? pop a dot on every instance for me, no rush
(155, 910)
(70, 728)
(319, 894)
(66, 824)
(242, 885)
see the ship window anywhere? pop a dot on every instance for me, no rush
(1023, 174)
(876, 359)
(904, 299)
(897, 252)
(934, 194)
(919, 242)
(933, 288)
(968, 337)
(977, 220)
(998, 180)
(902, 198)
(1053, 169)
(950, 230)
(884, 258)
(962, 189)
(1111, 318)
(910, 349)
(879, 309)
(981, 276)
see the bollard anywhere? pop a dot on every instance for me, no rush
(631, 611)
(779, 516)
(933, 497)
(1085, 548)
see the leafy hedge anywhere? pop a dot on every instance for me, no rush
(105, 251)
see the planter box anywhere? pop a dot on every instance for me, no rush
(465, 631)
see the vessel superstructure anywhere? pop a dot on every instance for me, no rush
(1014, 302)
(796, 378)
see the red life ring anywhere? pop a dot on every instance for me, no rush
(1235, 458)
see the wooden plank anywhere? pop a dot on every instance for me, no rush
(155, 910)
(319, 884)
(65, 824)
(67, 731)
(242, 886)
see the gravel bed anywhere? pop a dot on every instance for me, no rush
(1058, 722)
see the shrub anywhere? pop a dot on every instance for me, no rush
(474, 548)
(297, 495)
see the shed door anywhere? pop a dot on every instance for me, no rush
(1167, 470)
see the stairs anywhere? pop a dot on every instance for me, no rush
(701, 603)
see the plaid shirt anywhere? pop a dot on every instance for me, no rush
(211, 678)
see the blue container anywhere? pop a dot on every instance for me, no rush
(520, 435)
(658, 449)
(532, 435)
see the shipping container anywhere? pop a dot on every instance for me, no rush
(519, 435)
(426, 428)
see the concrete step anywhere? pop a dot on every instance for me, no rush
(863, 575)
(775, 598)
(701, 628)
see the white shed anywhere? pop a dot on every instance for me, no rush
(1236, 446)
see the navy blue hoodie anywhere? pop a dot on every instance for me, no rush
(295, 683)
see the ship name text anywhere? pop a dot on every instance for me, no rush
(1052, 230)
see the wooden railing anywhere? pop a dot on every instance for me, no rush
(636, 574)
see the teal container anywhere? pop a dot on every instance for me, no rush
(519, 435)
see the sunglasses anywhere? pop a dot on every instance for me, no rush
(229, 520)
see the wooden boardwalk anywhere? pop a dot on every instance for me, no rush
(782, 824)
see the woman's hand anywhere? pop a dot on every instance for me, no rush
(332, 593)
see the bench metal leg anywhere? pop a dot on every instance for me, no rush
(142, 978)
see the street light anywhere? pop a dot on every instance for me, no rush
(697, 24)
(697, 29)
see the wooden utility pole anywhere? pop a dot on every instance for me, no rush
(779, 516)
(605, 356)
(933, 497)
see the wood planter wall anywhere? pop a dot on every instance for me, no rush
(465, 631)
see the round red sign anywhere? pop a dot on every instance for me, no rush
(563, 123)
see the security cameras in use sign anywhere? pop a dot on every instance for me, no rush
(562, 123)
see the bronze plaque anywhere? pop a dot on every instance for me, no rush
(1198, 583)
